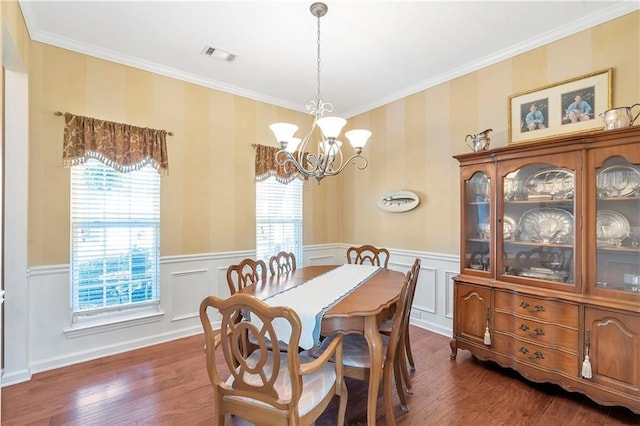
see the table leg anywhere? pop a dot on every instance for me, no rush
(372, 335)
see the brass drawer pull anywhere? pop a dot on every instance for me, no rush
(536, 332)
(536, 354)
(536, 308)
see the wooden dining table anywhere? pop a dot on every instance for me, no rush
(361, 311)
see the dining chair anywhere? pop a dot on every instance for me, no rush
(387, 327)
(281, 263)
(368, 255)
(267, 386)
(247, 272)
(357, 361)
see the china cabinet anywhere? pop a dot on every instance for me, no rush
(549, 281)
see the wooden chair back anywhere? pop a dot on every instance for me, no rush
(406, 341)
(282, 263)
(415, 272)
(266, 385)
(400, 320)
(247, 272)
(368, 255)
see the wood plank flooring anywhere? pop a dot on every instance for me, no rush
(167, 384)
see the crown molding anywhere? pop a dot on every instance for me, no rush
(112, 56)
(617, 10)
(613, 12)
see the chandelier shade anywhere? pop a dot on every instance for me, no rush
(358, 138)
(328, 159)
(331, 126)
(283, 132)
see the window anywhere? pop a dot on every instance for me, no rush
(115, 239)
(278, 218)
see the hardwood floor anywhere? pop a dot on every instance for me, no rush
(167, 385)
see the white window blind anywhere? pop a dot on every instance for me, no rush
(115, 239)
(278, 218)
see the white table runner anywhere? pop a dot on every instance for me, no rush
(313, 298)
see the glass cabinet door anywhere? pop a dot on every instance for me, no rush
(477, 223)
(538, 215)
(617, 224)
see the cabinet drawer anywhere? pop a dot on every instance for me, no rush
(535, 308)
(537, 331)
(538, 355)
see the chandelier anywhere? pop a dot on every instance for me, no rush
(327, 159)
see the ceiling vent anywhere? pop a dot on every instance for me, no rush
(217, 53)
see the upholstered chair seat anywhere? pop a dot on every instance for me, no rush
(315, 387)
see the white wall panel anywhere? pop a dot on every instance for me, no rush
(54, 342)
(188, 288)
(449, 275)
(425, 298)
(429, 304)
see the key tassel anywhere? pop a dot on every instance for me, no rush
(586, 367)
(586, 364)
(487, 335)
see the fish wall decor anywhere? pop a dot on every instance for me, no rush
(398, 201)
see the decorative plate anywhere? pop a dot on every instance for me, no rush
(479, 187)
(618, 181)
(546, 225)
(510, 186)
(611, 227)
(508, 228)
(550, 183)
(544, 274)
(398, 201)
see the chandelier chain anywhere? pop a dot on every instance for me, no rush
(318, 101)
(328, 159)
(317, 106)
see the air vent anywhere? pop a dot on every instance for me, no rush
(217, 53)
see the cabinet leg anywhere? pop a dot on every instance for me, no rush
(454, 348)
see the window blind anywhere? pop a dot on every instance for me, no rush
(115, 239)
(278, 218)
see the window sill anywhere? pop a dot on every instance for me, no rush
(104, 324)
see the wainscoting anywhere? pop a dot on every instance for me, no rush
(53, 342)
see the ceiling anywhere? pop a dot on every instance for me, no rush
(373, 52)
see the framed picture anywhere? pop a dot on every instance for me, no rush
(571, 106)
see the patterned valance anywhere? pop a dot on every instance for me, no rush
(266, 165)
(124, 147)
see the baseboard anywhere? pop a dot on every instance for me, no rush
(103, 351)
(433, 327)
(15, 377)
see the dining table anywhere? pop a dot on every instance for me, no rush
(361, 311)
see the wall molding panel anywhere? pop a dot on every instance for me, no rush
(184, 282)
(449, 276)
